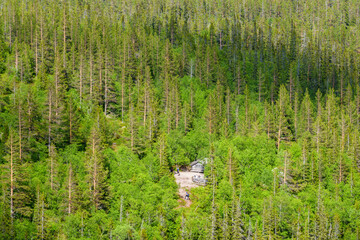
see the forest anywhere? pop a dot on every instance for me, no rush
(100, 100)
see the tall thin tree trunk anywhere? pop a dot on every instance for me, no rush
(81, 77)
(70, 123)
(20, 132)
(285, 167)
(123, 80)
(145, 103)
(57, 85)
(228, 106)
(91, 70)
(237, 120)
(29, 115)
(177, 108)
(230, 167)
(279, 133)
(238, 81)
(42, 219)
(70, 189)
(94, 173)
(49, 120)
(11, 180)
(106, 89)
(121, 209)
(132, 127)
(185, 118)
(191, 98)
(36, 52)
(16, 56)
(52, 167)
(64, 36)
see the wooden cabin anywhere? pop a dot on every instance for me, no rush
(197, 166)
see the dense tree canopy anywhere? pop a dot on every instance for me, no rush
(99, 100)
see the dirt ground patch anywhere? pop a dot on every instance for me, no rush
(185, 183)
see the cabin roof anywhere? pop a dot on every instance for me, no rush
(199, 161)
(194, 163)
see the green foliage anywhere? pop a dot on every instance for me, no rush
(101, 100)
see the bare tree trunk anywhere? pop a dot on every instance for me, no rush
(145, 100)
(146, 108)
(36, 52)
(49, 120)
(20, 132)
(266, 121)
(94, 173)
(12, 179)
(207, 70)
(81, 77)
(343, 129)
(357, 104)
(10, 40)
(70, 123)
(191, 98)
(185, 118)
(57, 85)
(177, 108)
(290, 87)
(55, 40)
(91, 70)
(279, 132)
(210, 121)
(29, 115)
(296, 110)
(132, 127)
(123, 80)
(168, 121)
(230, 167)
(70, 190)
(100, 58)
(317, 136)
(237, 120)
(16, 56)
(341, 89)
(42, 219)
(285, 166)
(228, 106)
(106, 89)
(42, 38)
(238, 81)
(52, 167)
(64, 35)
(121, 209)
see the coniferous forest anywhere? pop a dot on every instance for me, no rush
(101, 100)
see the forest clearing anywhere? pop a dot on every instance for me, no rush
(185, 183)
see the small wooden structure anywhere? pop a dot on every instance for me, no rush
(197, 166)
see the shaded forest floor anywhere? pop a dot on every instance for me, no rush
(185, 183)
